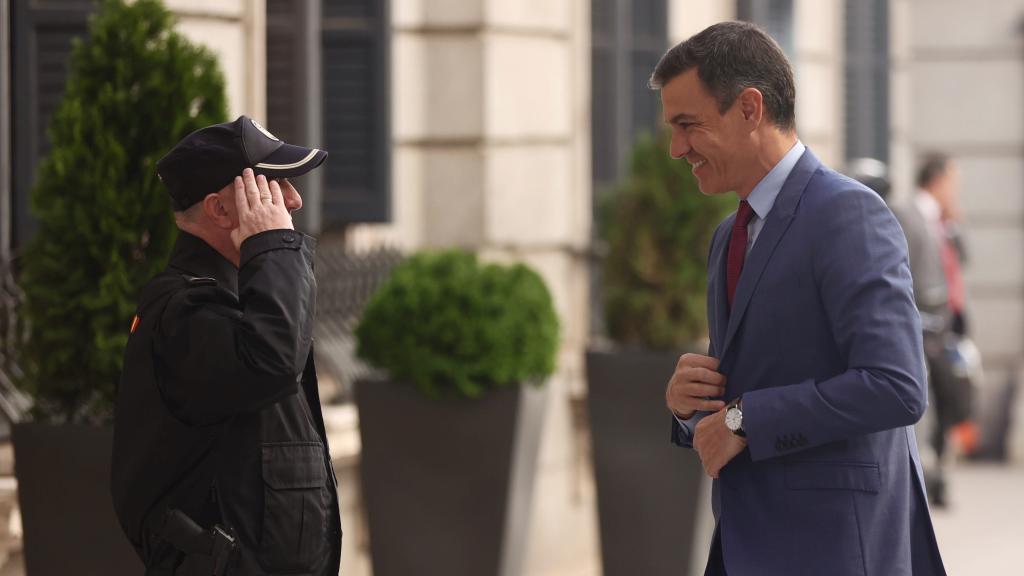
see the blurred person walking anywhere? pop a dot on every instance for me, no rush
(930, 295)
(957, 361)
(220, 462)
(803, 409)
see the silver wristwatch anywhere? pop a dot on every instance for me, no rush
(734, 417)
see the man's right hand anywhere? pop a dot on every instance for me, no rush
(260, 207)
(694, 385)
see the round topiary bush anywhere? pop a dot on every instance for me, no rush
(453, 326)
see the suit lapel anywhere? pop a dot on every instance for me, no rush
(718, 307)
(775, 227)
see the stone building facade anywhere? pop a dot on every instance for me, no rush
(491, 122)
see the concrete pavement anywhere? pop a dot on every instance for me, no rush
(982, 530)
(980, 533)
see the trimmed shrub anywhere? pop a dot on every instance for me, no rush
(455, 327)
(135, 88)
(658, 228)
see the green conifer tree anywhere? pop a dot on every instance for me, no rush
(658, 227)
(135, 87)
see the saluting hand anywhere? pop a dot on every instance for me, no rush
(260, 207)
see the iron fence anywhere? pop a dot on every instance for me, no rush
(345, 282)
(13, 330)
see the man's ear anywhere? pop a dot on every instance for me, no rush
(216, 211)
(751, 104)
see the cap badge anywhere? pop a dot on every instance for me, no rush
(264, 130)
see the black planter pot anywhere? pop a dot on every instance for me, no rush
(649, 492)
(64, 492)
(447, 483)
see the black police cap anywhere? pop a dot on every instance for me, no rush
(209, 159)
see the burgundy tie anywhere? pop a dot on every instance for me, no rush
(738, 247)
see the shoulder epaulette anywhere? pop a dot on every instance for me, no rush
(199, 280)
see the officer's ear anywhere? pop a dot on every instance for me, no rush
(215, 206)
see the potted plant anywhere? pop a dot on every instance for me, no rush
(657, 228)
(450, 438)
(134, 88)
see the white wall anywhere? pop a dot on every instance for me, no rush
(235, 30)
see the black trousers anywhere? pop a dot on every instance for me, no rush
(716, 562)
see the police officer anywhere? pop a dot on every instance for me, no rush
(221, 463)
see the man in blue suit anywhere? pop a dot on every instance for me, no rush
(802, 411)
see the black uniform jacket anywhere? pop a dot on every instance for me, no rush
(218, 413)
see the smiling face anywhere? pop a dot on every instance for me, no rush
(719, 146)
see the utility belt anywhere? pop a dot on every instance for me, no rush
(211, 548)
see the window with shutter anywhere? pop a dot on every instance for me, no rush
(866, 97)
(5, 133)
(603, 89)
(628, 38)
(41, 36)
(356, 104)
(649, 43)
(335, 91)
(285, 70)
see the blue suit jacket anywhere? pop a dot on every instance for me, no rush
(824, 344)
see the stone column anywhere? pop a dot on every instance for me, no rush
(687, 18)
(490, 115)
(491, 135)
(901, 156)
(235, 30)
(818, 66)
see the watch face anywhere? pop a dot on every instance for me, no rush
(733, 419)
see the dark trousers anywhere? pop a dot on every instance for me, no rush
(716, 562)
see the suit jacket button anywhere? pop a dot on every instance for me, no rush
(288, 238)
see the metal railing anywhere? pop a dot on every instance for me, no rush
(345, 283)
(13, 330)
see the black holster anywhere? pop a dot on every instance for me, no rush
(213, 547)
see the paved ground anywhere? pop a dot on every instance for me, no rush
(982, 531)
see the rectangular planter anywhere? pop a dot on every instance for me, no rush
(64, 492)
(447, 483)
(649, 491)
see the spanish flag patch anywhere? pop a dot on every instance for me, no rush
(135, 323)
